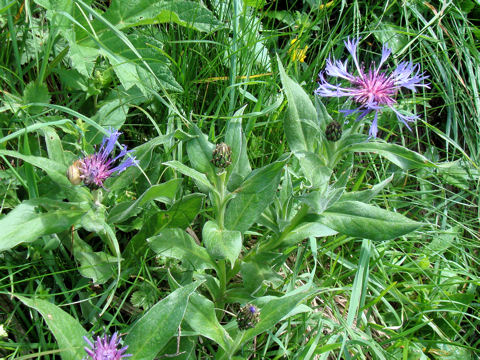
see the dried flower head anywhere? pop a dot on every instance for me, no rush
(374, 90)
(94, 169)
(105, 348)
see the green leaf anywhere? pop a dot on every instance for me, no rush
(67, 330)
(235, 138)
(200, 315)
(221, 243)
(306, 230)
(25, 223)
(366, 195)
(253, 196)
(361, 220)
(194, 174)
(180, 215)
(146, 12)
(399, 155)
(273, 309)
(314, 168)
(299, 124)
(177, 244)
(152, 331)
(256, 273)
(199, 151)
(161, 192)
(98, 266)
(35, 93)
(54, 145)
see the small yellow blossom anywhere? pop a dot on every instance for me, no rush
(297, 54)
(327, 5)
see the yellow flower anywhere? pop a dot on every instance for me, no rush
(327, 5)
(297, 54)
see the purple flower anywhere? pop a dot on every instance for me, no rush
(96, 168)
(105, 348)
(373, 90)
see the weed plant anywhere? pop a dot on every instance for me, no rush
(236, 214)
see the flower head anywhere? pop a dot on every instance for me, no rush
(374, 90)
(95, 169)
(248, 317)
(105, 348)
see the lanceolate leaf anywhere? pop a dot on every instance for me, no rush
(399, 155)
(177, 244)
(201, 317)
(361, 220)
(67, 330)
(163, 192)
(25, 223)
(300, 123)
(253, 196)
(152, 331)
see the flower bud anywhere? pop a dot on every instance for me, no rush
(222, 156)
(248, 317)
(333, 132)
(74, 172)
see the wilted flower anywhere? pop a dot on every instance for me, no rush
(105, 348)
(248, 317)
(373, 90)
(94, 169)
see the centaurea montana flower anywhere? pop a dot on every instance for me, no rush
(373, 90)
(95, 169)
(105, 348)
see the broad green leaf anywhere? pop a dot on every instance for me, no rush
(314, 168)
(273, 309)
(67, 330)
(25, 223)
(253, 196)
(200, 315)
(199, 151)
(180, 215)
(299, 124)
(361, 220)
(177, 244)
(256, 273)
(35, 93)
(399, 155)
(161, 192)
(222, 243)
(152, 331)
(194, 174)
(98, 266)
(146, 12)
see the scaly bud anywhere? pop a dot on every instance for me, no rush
(222, 156)
(248, 317)
(333, 132)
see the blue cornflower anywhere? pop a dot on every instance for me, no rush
(105, 348)
(95, 169)
(373, 90)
